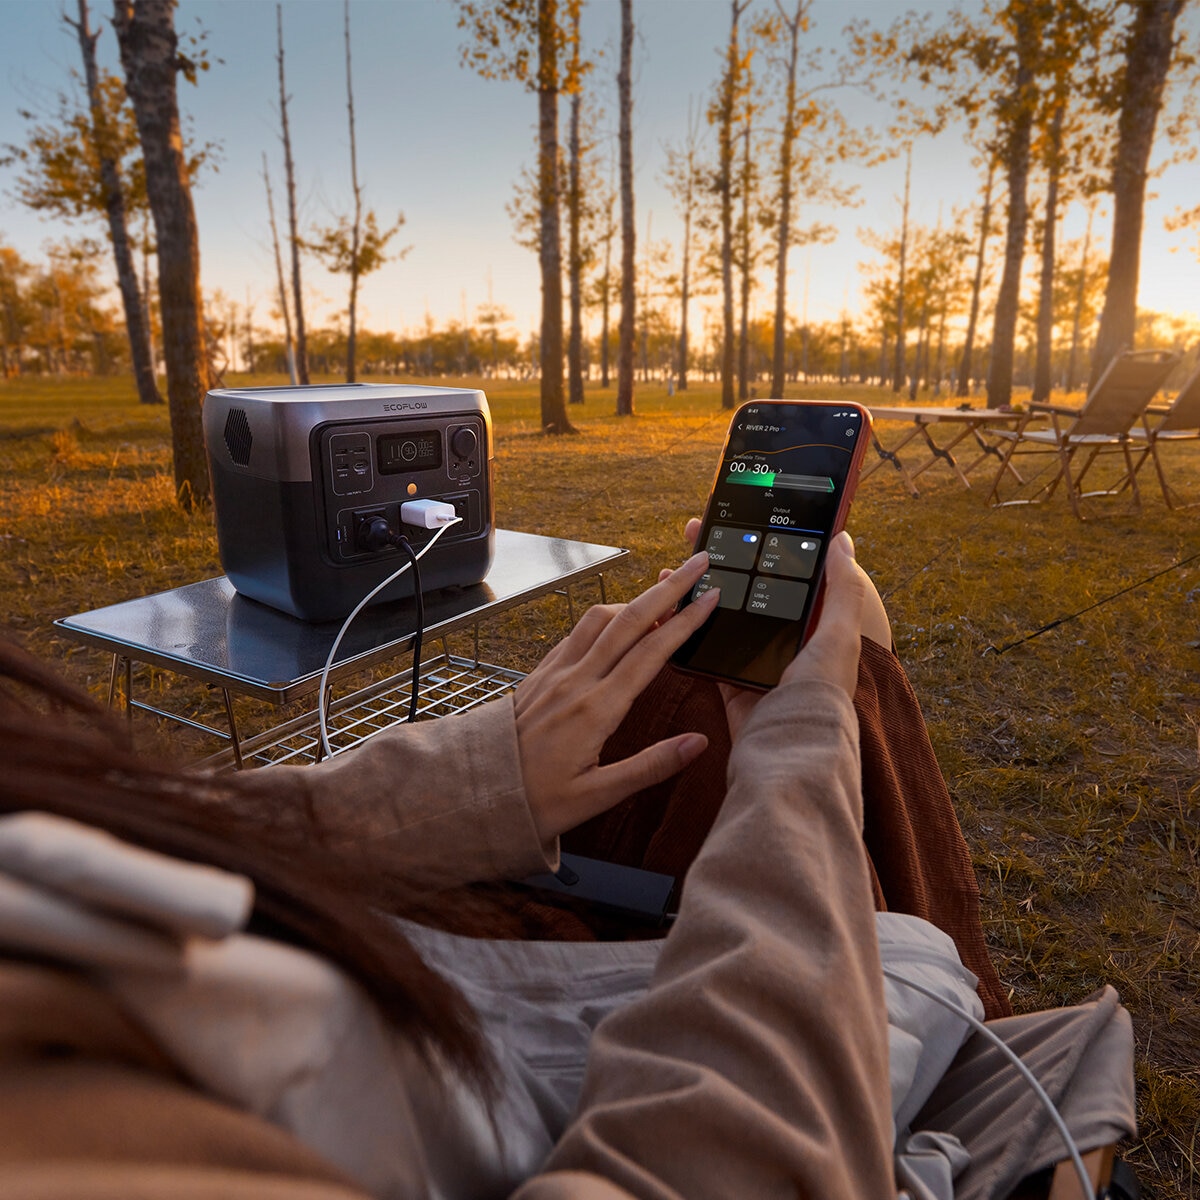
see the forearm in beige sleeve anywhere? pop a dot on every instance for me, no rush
(756, 1065)
(441, 802)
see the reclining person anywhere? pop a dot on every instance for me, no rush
(215, 1004)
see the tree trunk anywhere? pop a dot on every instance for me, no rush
(288, 350)
(747, 267)
(1147, 61)
(784, 233)
(1043, 364)
(356, 231)
(606, 295)
(685, 276)
(293, 233)
(1016, 163)
(575, 258)
(1080, 295)
(901, 348)
(985, 218)
(136, 323)
(726, 106)
(939, 364)
(628, 232)
(149, 56)
(550, 344)
(921, 354)
(147, 291)
(681, 370)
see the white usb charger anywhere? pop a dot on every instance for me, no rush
(427, 514)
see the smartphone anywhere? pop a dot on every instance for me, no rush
(782, 490)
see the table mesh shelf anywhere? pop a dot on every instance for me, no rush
(449, 684)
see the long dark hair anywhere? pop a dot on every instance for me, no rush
(62, 754)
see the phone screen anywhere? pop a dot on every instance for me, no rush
(781, 492)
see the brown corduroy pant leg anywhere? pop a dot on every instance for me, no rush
(919, 858)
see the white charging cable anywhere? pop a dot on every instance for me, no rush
(326, 748)
(1039, 1091)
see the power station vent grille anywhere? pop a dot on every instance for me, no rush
(238, 439)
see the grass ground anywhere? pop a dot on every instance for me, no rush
(1073, 756)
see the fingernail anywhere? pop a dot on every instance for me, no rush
(700, 557)
(711, 596)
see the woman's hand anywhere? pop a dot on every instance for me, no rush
(831, 653)
(577, 696)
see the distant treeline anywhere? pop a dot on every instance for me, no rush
(57, 319)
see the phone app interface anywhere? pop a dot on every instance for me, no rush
(779, 486)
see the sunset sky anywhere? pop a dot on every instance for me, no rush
(445, 147)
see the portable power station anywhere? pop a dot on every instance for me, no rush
(299, 472)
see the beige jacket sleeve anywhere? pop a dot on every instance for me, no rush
(756, 1065)
(440, 802)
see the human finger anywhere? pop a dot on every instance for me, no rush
(832, 650)
(641, 615)
(566, 654)
(585, 632)
(641, 663)
(613, 782)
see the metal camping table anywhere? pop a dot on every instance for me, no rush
(207, 633)
(966, 422)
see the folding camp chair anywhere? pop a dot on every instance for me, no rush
(1100, 426)
(1163, 424)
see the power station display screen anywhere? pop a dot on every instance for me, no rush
(406, 452)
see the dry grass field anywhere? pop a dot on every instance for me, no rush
(1073, 756)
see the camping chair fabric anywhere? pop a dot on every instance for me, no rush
(1101, 425)
(1166, 423)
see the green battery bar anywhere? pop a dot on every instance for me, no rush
(778, 479)
(764, 479)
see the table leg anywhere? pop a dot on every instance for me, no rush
(234, 739)
(128, 687)
(943, 452)
(893, 456)
(988, 448)
(112, 680)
